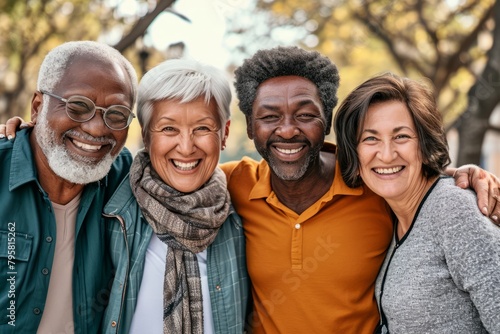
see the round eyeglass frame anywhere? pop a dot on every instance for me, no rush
(104, 110)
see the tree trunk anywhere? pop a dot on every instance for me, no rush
(16, 101)
(483, 97)
(142, 25)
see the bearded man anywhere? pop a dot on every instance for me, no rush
(55, 179)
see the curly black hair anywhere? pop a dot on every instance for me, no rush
(284, 61)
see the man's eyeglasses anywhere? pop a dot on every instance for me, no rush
(82, 109)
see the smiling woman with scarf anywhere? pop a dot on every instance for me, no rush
(176, 242)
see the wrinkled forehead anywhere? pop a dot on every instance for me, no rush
(287, 90)
(87, 72)
(83, 62)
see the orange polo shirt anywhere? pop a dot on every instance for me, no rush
(314, 272)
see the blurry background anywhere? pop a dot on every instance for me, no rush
(453, 43)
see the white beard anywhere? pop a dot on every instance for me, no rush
(81, 171)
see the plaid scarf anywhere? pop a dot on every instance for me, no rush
(188, 223)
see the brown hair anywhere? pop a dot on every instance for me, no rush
(421, 104)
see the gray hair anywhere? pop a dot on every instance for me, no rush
(58, 60)
(186, 80)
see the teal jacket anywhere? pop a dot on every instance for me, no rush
(28, 237)
(130, 234)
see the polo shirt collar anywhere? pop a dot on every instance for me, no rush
(262, 188)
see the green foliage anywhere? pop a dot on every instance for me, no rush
(436, 39)
(29, 29)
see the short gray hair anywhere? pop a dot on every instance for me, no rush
(57, 62)
(186, 80)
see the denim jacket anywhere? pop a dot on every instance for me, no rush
(130, 234)
(28, 237)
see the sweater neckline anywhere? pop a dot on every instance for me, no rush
(405, 236)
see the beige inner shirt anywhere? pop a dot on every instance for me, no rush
(57, 316)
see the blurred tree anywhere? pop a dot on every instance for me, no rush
(444, 41)
(29, 29)
(483, 98)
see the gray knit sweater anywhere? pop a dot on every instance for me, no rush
(444, 274)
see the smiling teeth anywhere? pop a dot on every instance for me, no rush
(286, 151)
(185, 165)
(87, 147)
(388, 170)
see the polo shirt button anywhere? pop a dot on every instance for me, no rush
(36, 311)
(48, 239)
(45, 271)
(217, 287)
(297, 226)
(113, 323)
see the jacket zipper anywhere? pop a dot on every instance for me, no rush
(125, 281)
